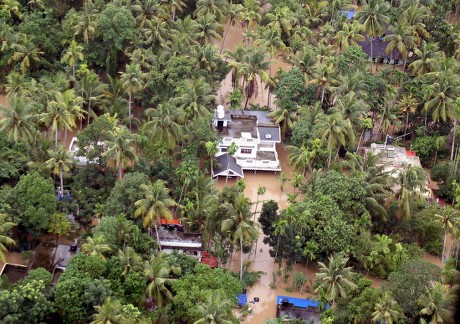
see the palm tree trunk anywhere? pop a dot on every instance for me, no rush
(56, 138)
(444, 247)
(360, 138)
(211, 166)
(255, 210)
(322, 94)
(158, 236)
(73, 71)
(89, 112)
(372, 52)
(407, 122)
(246, 103)
(241, 256)
(329, 159)
(453, 140)
(404, 68)
(174, 14)
(62, 181)
(269, 76)
(225, 36)
(129, 111)
(120, 172)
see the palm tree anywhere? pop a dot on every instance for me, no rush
(129, 260)
(260, 192)
(59, 163)
(349, 35)
(301, 158)
(255, 65)
(173, 6)
(158, 273)
(86, 25)
(154, 206)
(408, 105)
(411, 182)
(436, 304)
(212, 150)
(108, 313)
(270, 39)
(17, 122)
(335, 278)
(333, 130)
(214, 7)
(427, 57)
(449, 220)
(61, 112)
(386, 310)
(120, 148)
(231, 151)
(402, 39)
(162, 125)
(11, 7)
(5, 240)
(286, 118)
(92, 90)
(374, 19)
(208, 28)
(280, 18)
(132, 81)
(215, 311)
(240, 226)
(234, 13)
(96, 246)
(73, 54)
(324, 78)
(26, 52)
(444, 93)
(195, 100)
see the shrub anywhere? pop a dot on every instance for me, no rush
(440, 172)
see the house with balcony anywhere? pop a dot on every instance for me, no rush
(255, 135)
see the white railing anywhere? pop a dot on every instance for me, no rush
(258, 163)
(229, 140)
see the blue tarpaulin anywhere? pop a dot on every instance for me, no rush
(350, 14)
(242, 299)
(298, 302)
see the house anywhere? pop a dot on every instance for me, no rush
(379, 53)
(255, 135)
(394, 159)
(173, 237)
(290, 308)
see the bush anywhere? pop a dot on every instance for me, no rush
(425, 147)
(440, 172)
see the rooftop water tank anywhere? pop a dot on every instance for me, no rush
(220, 112)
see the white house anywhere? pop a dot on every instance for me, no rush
(255, 135)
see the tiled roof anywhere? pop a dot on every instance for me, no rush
(379, 49)
(223, 161)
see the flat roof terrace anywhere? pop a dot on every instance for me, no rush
(239, 125)
(263, 156)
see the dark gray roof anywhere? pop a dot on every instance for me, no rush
(378, 49)
(262, 116)
(221, 165)
(272, 132)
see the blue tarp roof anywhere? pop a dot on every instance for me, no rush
(242, 299)
(350, 14)
(298, 302)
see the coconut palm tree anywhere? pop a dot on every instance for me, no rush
(402, 39)
(260, 192)
(96, 246)
(86, 25)
(352, 108)
(25, 52)
(286, 118)
(120, 149)
(349, 35)
(11, 7)
(234, 13)
(240, 227)
(270, 38)
(5, 240)
(212, 150)
(108, 313)
(173, 7)
(129, 260)
(154, 206)
(215, 311)
(132, 81)
(195, 100)
(427, 56)
(18, 122)
(281, 18)
(208, 28)
(373, 17)
(323, 78)
(335, 278)
(442, 102)
(386, 310)
(217, 8)
(59, 163)
(408, 105)
(162, 125)
(449, 220)
(158, 273)
(436, 304)
(301, 158)
(411, 182)
(73, 54)
(92, 90)
(335, 132)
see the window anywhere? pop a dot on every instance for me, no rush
(223, 149)
(246, 151)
